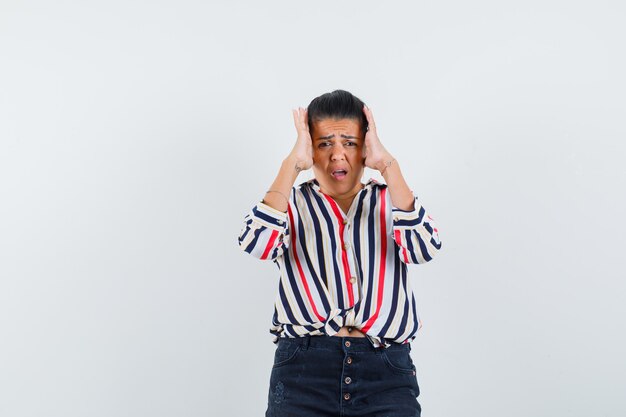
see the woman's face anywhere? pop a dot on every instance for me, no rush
(338, 155)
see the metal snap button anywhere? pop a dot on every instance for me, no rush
(348, 380)
(348, 360)
(346, 396)
(347, 343)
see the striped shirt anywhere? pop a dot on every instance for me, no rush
(342, 269)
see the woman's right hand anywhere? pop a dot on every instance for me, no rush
(302, 152)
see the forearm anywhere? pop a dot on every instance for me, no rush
(401, 195)
(282, 184)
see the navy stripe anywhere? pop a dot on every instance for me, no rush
(409, 246)
(416, 323)
(420, 217)
(252, 244)
(394, 300)
(317, 232)
(246, 230)
(285, 304)
(356, 233)
(266, 217)
(371, 236)
(309, 264)
(291, 271)
(405, 310)
(422, 247)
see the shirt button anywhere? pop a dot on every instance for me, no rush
(346, 246)
(346, 396)
(348, 380)
(349, 360)
(345, 221)
(353, 280)
(347, 343)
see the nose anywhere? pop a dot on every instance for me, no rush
(337, 153)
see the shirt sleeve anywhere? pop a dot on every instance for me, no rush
(265, 234)
(415, 234)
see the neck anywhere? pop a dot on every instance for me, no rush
(347, 195)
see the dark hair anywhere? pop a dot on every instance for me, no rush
(339, 104)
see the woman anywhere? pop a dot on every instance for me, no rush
(345, 312)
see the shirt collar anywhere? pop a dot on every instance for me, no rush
(316, 185)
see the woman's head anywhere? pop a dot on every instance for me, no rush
(337, 125)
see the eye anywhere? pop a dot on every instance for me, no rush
(350, 143)
(323, 144)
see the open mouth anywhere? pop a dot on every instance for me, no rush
(339, 174)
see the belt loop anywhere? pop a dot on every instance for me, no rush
(307, 341)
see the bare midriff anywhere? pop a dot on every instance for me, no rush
(350, 332)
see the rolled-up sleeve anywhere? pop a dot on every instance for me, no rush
(265, 234)
(415, 234)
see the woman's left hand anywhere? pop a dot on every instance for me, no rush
(374, 152)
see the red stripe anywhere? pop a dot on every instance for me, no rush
(270, 244)
(398, 238)
(383, 259)
(300, 271)
(344, 255)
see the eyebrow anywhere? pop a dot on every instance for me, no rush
(333, 135)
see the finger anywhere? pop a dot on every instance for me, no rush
(301, 118)
(370, 117)
(298, 118)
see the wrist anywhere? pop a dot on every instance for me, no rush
(385, 163)
(293, 164)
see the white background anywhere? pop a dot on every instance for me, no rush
(136, 135)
